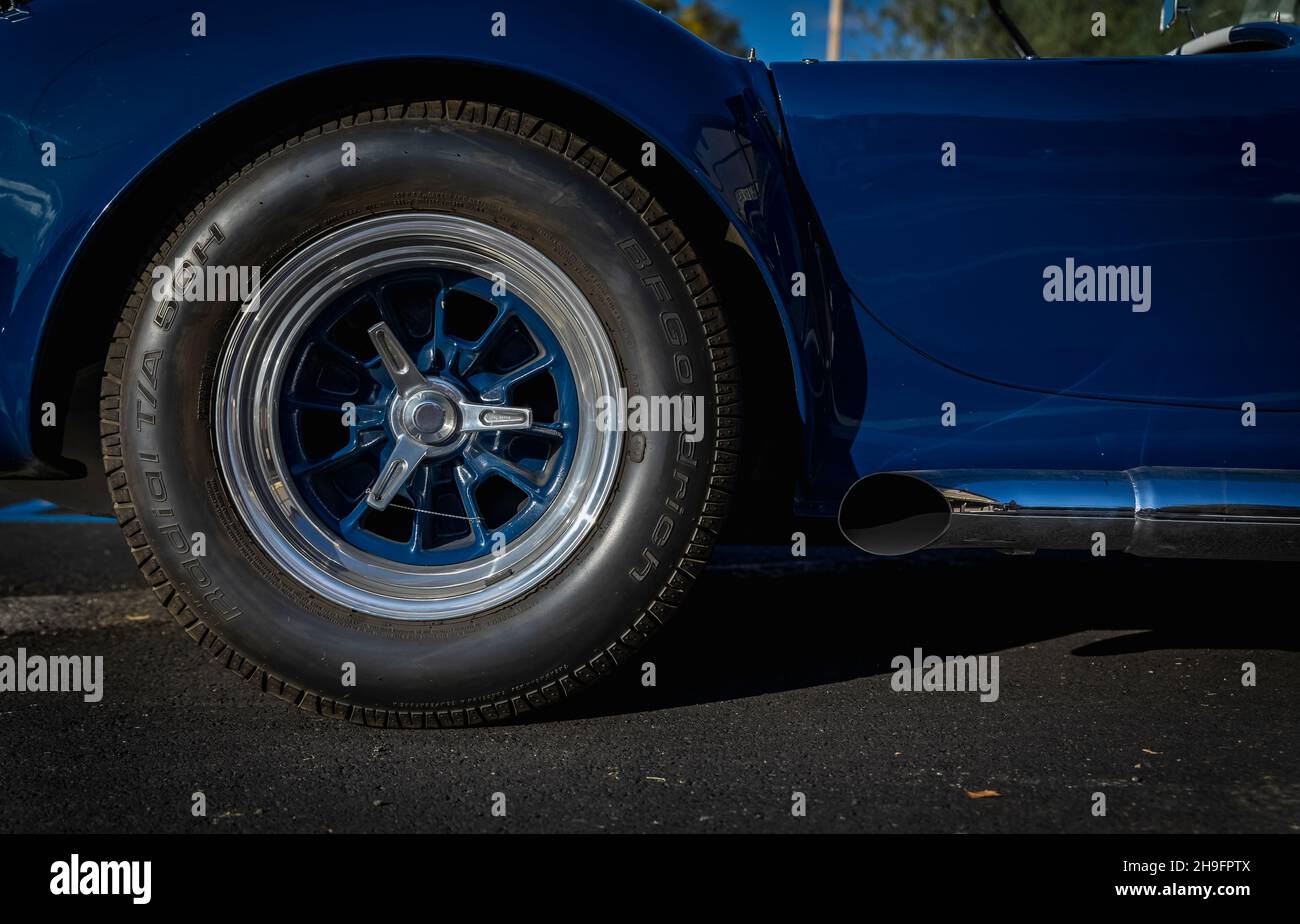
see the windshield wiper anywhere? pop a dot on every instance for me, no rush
(1017, 37)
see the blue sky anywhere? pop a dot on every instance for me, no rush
(765, 24)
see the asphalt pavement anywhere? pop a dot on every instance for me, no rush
(1117, 676)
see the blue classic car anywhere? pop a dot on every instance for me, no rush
(425, 347)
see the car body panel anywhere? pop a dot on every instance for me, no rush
(888, 333)
(1107, 161)
(116, 86)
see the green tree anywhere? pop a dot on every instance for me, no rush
(706, 21)
(1055, 28)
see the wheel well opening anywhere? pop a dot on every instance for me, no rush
(106, 269)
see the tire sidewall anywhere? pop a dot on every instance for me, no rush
(558, 629)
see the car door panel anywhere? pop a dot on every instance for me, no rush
(1134, 162)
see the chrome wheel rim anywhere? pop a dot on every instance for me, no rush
(436, 413)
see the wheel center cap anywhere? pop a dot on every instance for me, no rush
(428, 417)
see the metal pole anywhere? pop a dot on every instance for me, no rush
(835, 23)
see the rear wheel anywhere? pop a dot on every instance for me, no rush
(383, 487)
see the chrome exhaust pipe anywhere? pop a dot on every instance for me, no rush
(1149, 511)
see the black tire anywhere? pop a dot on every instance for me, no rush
(572, 202)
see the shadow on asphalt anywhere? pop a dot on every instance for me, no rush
(808, 629)
(760, 622)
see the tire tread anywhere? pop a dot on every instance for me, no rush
(706, 528)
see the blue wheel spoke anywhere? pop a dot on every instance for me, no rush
(304, 404)
(340, 354)
(443, 342)
(396, 326)
(480, 287)
(350, 523)
(370, 416)
(500, 389)
(489, 462)
(358, 445)
(549, 431)
(377, 293)
(419, 489)
(466, 481)
(468, 355)
(494, 329)
(377, 374)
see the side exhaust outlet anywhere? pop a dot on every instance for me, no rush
(893, 513)
(1150, 511)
